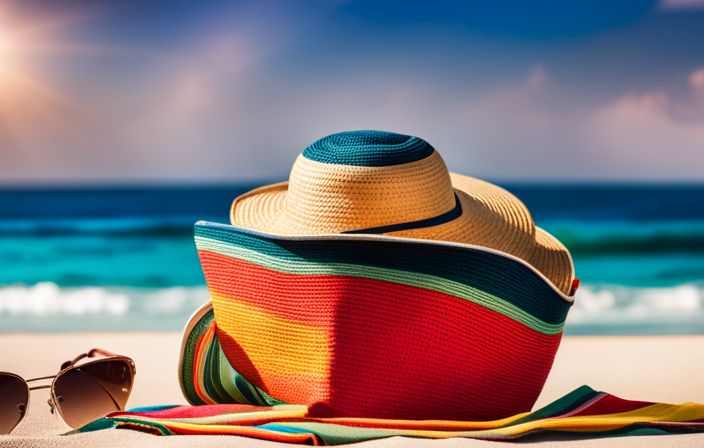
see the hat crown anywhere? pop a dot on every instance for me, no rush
(365, 179)
(368, 148)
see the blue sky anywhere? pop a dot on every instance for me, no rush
(223, 91)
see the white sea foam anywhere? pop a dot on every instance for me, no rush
(612, 304)
(173, 300)
(48, 299)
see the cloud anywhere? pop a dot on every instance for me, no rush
(655, 132)
(527, 132)
(696, 80)
(644, 136)
(537, 77)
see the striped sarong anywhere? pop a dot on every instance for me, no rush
(581, 413)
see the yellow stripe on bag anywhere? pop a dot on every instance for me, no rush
(261, 336)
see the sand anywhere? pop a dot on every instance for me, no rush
(666, 369)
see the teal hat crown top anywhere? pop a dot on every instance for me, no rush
(368, 148)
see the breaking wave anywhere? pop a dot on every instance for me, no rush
(615, 309)
(47, 307)
(47, 299)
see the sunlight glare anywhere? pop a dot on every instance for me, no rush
(28, 41)
(6, 48)
(2, 50)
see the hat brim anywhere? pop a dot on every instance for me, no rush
(491, 217)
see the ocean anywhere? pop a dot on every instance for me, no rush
(123, 259)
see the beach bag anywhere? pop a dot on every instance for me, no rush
(349, 290)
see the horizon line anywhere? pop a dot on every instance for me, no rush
(166, 185)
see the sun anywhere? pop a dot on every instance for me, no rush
(6, 50)
(36, 44)
(14, 72)
(32, 39)
(5, 62)
(3, 50)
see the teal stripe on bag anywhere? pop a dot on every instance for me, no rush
(497, 277)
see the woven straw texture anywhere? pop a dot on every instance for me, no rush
(381, 327)
(341, 184)
(323, 198)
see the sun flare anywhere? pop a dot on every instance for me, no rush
(3, 50)
(7, 49)
(34, 43)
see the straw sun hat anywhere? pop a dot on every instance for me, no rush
(373, 182)
(374, 283)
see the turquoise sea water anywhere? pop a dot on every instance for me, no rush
(124, 259)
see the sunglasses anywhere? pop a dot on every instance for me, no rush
(79, 393)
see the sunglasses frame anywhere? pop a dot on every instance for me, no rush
(67, 366)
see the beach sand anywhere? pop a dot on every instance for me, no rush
(667, 369)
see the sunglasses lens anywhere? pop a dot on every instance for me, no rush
(14, 395)
(86, 393)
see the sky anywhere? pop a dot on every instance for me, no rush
(214, 91)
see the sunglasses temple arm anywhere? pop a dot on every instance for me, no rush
(93, 353)
(107, 354)
(101, 352)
